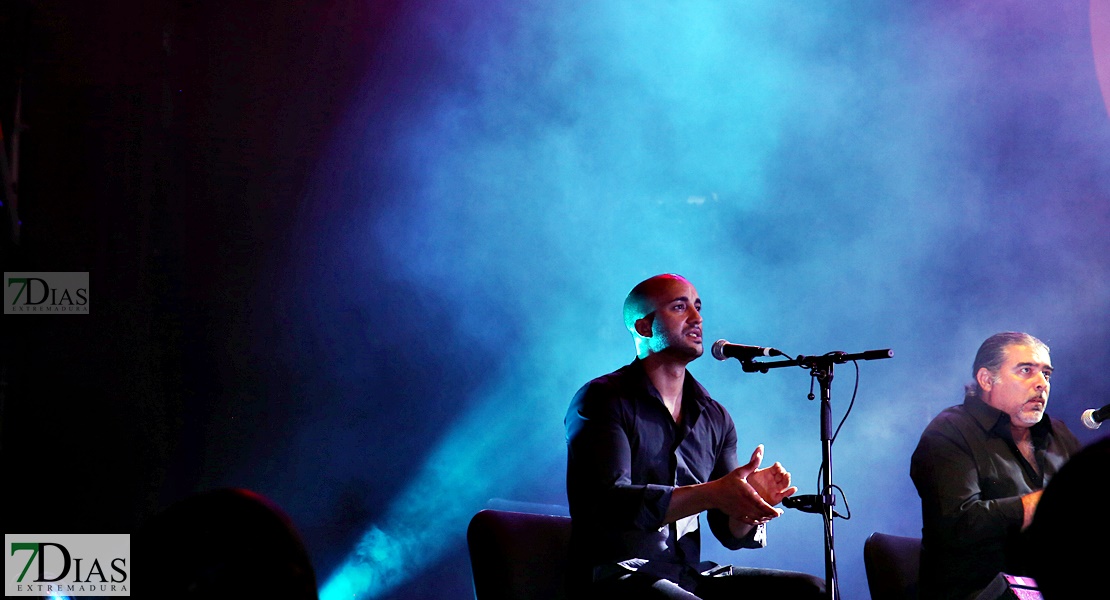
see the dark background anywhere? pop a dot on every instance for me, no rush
(166, 147)
(167, 150)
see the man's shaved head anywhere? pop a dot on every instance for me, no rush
(640, 302)
(663, 314)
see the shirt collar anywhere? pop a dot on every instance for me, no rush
(693, 394)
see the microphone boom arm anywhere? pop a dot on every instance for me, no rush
(815, 362)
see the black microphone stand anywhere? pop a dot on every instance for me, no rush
(821, 367)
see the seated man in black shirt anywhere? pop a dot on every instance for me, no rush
(980, 468)
(647, 451)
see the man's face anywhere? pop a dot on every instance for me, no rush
(676, 326)
(1021, 388)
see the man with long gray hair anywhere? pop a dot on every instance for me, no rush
(980, 468)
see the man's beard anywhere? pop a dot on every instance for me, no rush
(1030, 417)
(685, 349)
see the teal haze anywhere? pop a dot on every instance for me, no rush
(830, 175)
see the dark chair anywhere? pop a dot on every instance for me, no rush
(892, 563)
(518, 556)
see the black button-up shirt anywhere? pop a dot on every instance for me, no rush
(625, 455)
(971, 476)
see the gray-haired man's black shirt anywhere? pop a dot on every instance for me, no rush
(971, 477)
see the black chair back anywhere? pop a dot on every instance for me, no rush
(892, 563)
(518, 556)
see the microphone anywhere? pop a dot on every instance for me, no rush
(811, 503)
(1091, 418)
(723, 350)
